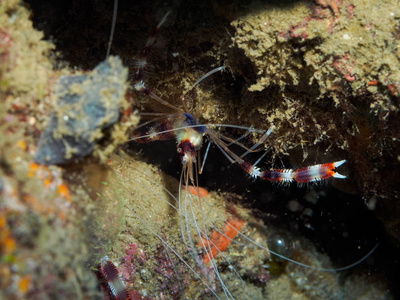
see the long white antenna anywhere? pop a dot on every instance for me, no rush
(114, 20)
(205, 76)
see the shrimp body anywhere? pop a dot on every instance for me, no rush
(189, 139)
(195, 227)
(303, 175)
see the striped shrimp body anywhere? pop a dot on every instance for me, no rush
(304, 175)
(192, 248)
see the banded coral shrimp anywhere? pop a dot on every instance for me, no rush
(241, 175)
(187, 174)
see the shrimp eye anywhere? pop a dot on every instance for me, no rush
(179, 150)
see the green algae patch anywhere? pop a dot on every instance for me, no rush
(149, 192)
(313, 66)
(48, 217)
(24, 63)
(147, 264)
(257, 34)
(300, 43)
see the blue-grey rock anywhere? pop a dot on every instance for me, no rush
(85, 105)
